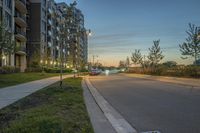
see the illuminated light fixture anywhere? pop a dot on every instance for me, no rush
(71, 65)
(4, 57)
(67, 66)
(41, 61)
(51, 62)
(46, 62)
(55, 63)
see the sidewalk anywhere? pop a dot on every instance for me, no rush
(9, 95)
(182, 81)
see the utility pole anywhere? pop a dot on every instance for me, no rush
(94, 59)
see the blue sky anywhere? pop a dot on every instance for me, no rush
(120, 26)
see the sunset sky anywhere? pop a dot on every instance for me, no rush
(120, 26)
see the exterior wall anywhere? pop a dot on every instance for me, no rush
(15, 18)
(37, 31)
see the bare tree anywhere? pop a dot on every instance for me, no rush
(136, 57)
(192, 45)
(155, 53)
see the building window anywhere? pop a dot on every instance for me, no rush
(43, 26)
(8, 3)
(44, 3)
(8, 20)
(1, 16)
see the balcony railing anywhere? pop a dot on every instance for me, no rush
(23, 1)
(20, 48)
(19, 31)
(17, 14)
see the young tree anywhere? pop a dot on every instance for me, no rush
(127, 62)
(192, 45)
(122, 64)
(155, 53)
(136, 57)
(7, 44)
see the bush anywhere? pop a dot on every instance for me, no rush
(163, 70)
(9, 69)
(56, 70)
(33, 69)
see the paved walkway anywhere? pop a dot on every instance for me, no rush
(9, 95)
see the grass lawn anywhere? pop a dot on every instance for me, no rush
(50, 110)
(17, 78)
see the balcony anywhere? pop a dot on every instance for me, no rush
(20, 19)
(20, 49)
(21, 6)
(20, 35)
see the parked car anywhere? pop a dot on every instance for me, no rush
(95, 72)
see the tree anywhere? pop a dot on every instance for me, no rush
(7, 44)
(136, 57)
(155, 53)
(192, 45)
(122, 64)
(127, 62)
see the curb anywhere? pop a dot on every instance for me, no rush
(116, 120)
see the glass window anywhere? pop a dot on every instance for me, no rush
(8, 3)
(8, 20)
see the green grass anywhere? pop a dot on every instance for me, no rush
(50, 110)
(17, 78)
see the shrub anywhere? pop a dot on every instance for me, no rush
(163, 70)
(9, 69)
(56, 70)
(33, 69)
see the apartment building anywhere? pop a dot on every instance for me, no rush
(20, 25)
(77, 40)
(13, 14)
(55, 26)
(43, 31)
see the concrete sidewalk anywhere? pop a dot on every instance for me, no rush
(182, 81)
(9, 95)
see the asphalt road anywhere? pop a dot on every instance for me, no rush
(152, 105)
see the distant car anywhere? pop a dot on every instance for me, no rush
(94, 72)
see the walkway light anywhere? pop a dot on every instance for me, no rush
(51, 62)
(46, 62)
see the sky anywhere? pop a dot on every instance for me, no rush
(121, 26)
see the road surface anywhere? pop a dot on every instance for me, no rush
(152, 105)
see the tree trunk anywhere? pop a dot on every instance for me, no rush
(1, 55)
